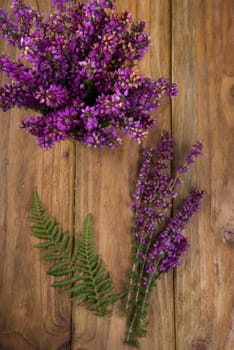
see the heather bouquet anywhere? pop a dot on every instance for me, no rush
(77, 72)
(158, 242)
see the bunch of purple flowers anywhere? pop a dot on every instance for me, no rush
(158, 241)
(81, 75)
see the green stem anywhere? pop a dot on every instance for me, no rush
(131, 338)
(131, 282)
(143, 267)
(135, 329)
(135, 323)
(92, 277)
(131, 291)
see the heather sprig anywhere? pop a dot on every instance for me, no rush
(77, 71)
(158, 242)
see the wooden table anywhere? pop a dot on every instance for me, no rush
(192, 42)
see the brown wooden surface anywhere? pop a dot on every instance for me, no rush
(192, 41)
(202, 64)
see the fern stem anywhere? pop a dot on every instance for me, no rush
(92, 279)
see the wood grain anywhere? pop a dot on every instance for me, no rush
(191, 308)
(202, 64)
(32, 314)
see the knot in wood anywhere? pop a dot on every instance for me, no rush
(199, 344)
(228, 235)
(66, 154)
(232, 90)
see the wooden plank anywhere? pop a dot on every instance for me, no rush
(32, 314)
(104, 180)
(202, 62)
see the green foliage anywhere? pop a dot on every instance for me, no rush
(137, 296)
(77, 265)
(136, 316)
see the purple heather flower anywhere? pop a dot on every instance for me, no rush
(165, 149)
(169, 245)
(54, 96)
(8, 29)
(66, 119)
(46, 132)
(158, 239)
(59, 3)
(82, 57)
(189, 159)
(155, 188)
(159, 249)
(150, 269)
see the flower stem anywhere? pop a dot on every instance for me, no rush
(131, 282)
(135, 329)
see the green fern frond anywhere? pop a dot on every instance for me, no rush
(57, 244)
(95, 285)
(79, 267)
